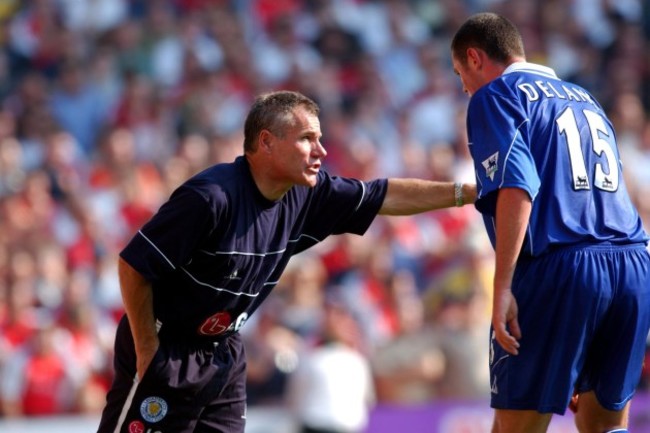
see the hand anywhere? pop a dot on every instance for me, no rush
(504, 321)
(145, 355)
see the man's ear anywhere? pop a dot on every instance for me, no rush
(265, 140)
(475, 58)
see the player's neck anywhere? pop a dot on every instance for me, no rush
(267, 185)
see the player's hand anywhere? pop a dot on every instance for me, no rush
(145, 354)
(504, 321)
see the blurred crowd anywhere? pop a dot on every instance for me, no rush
(107, 105)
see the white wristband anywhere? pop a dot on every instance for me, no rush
(458, 194)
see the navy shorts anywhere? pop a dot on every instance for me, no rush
(199, 387)
(584, 314)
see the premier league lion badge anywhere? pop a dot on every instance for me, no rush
(491, 166)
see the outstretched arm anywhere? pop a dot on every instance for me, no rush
(413, 196)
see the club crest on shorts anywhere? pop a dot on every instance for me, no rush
(153, 409)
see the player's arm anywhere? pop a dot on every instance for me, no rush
(512, 214)
(412, 196)
(137, 295)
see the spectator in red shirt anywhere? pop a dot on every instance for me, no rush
(34, 380)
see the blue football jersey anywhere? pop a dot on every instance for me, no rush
(528, 129)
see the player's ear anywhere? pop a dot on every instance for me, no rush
(475, 58)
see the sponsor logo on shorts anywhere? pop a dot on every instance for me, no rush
(153, 409)
(216, 324)
(221, 322)
(494, 389)
(241, 319)
(136, 427)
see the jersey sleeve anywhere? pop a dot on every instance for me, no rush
(497, 132)
(344, 205)
(169, 238)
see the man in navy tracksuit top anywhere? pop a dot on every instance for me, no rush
(195, 273)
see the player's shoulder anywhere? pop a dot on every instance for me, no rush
(214, 184)
(494, 97)
(218, 176)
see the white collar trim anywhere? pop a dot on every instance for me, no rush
(532, 68)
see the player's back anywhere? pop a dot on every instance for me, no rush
(582, 195)
(575, 173)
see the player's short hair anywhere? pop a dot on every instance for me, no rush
(273, 111)
(490, 32)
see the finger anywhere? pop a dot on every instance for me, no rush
(511, 347)
(508, 342)
(515, 330)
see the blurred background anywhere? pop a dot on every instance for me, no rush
(107, 105)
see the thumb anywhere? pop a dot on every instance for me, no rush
(515, 330)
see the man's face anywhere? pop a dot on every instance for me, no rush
(297, 152)
(470, 76)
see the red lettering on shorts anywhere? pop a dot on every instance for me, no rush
(216, 324)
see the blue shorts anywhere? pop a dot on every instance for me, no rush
(584, 314)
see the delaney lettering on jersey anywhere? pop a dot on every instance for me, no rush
(545, 89)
